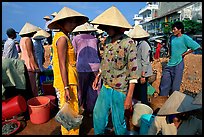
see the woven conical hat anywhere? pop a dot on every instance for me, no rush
(178, 102)
(41, 34)
(54, 14)
(28, 28)
(112, 17)
(198, 99)
(47, 17)
(84, 27)
(138, 32)
(67, 13)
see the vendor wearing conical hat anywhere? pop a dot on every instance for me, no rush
(64, 61)
(27, 53)
(118, 72)
(177, 116)
(38, 47)
(140, 36)
(88, 63)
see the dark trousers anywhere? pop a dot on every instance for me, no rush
(86, 95)
(171, 79)
(140, 92)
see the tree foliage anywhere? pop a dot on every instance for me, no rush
(190, 27)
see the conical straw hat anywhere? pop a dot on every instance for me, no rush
(138, 32)
(54, 14)
(28, 28)
(41, 34)
(47, 17)
(84, 27)
(112, 17)
(67, 13)
(178, 102)
(198, 99)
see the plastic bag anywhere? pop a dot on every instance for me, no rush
(68, 118)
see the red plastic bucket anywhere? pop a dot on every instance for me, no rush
(13, 106)
(52, 101)
(39, 109)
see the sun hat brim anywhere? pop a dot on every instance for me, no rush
(112, 17)
(178, 102)
(28, 28)
(138, 32)
(66, 13)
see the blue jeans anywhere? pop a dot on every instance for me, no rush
(109, 99)
(171, 79)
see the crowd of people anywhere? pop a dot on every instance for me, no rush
(101, 74)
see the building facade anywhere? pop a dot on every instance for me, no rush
(153, 16)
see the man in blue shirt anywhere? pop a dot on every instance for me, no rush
(181, 45)
(10, 50)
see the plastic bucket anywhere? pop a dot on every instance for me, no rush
(52, 101)
(139, 110)
(146, 121)
(39, 109)
(13, 106)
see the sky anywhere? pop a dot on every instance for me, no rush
(16, 14)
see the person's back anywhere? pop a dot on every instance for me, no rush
(143, 57)
(30, 64)
(10, 50)
(39, 52)
(87, 53)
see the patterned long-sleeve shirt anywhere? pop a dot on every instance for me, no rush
(119, 63)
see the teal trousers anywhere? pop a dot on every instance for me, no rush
(109, 100)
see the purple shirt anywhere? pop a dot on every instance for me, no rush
(85, 46)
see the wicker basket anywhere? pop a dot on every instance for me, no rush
(157, 102)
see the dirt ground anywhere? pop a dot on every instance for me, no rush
(192, 76)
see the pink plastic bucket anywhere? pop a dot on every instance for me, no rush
(39, 109)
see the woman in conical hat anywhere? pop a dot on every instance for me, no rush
(88, 63)
(118, 72)
(27, 53)
(177, 116)
(140, 36)
(38, 47)
(64, 61)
